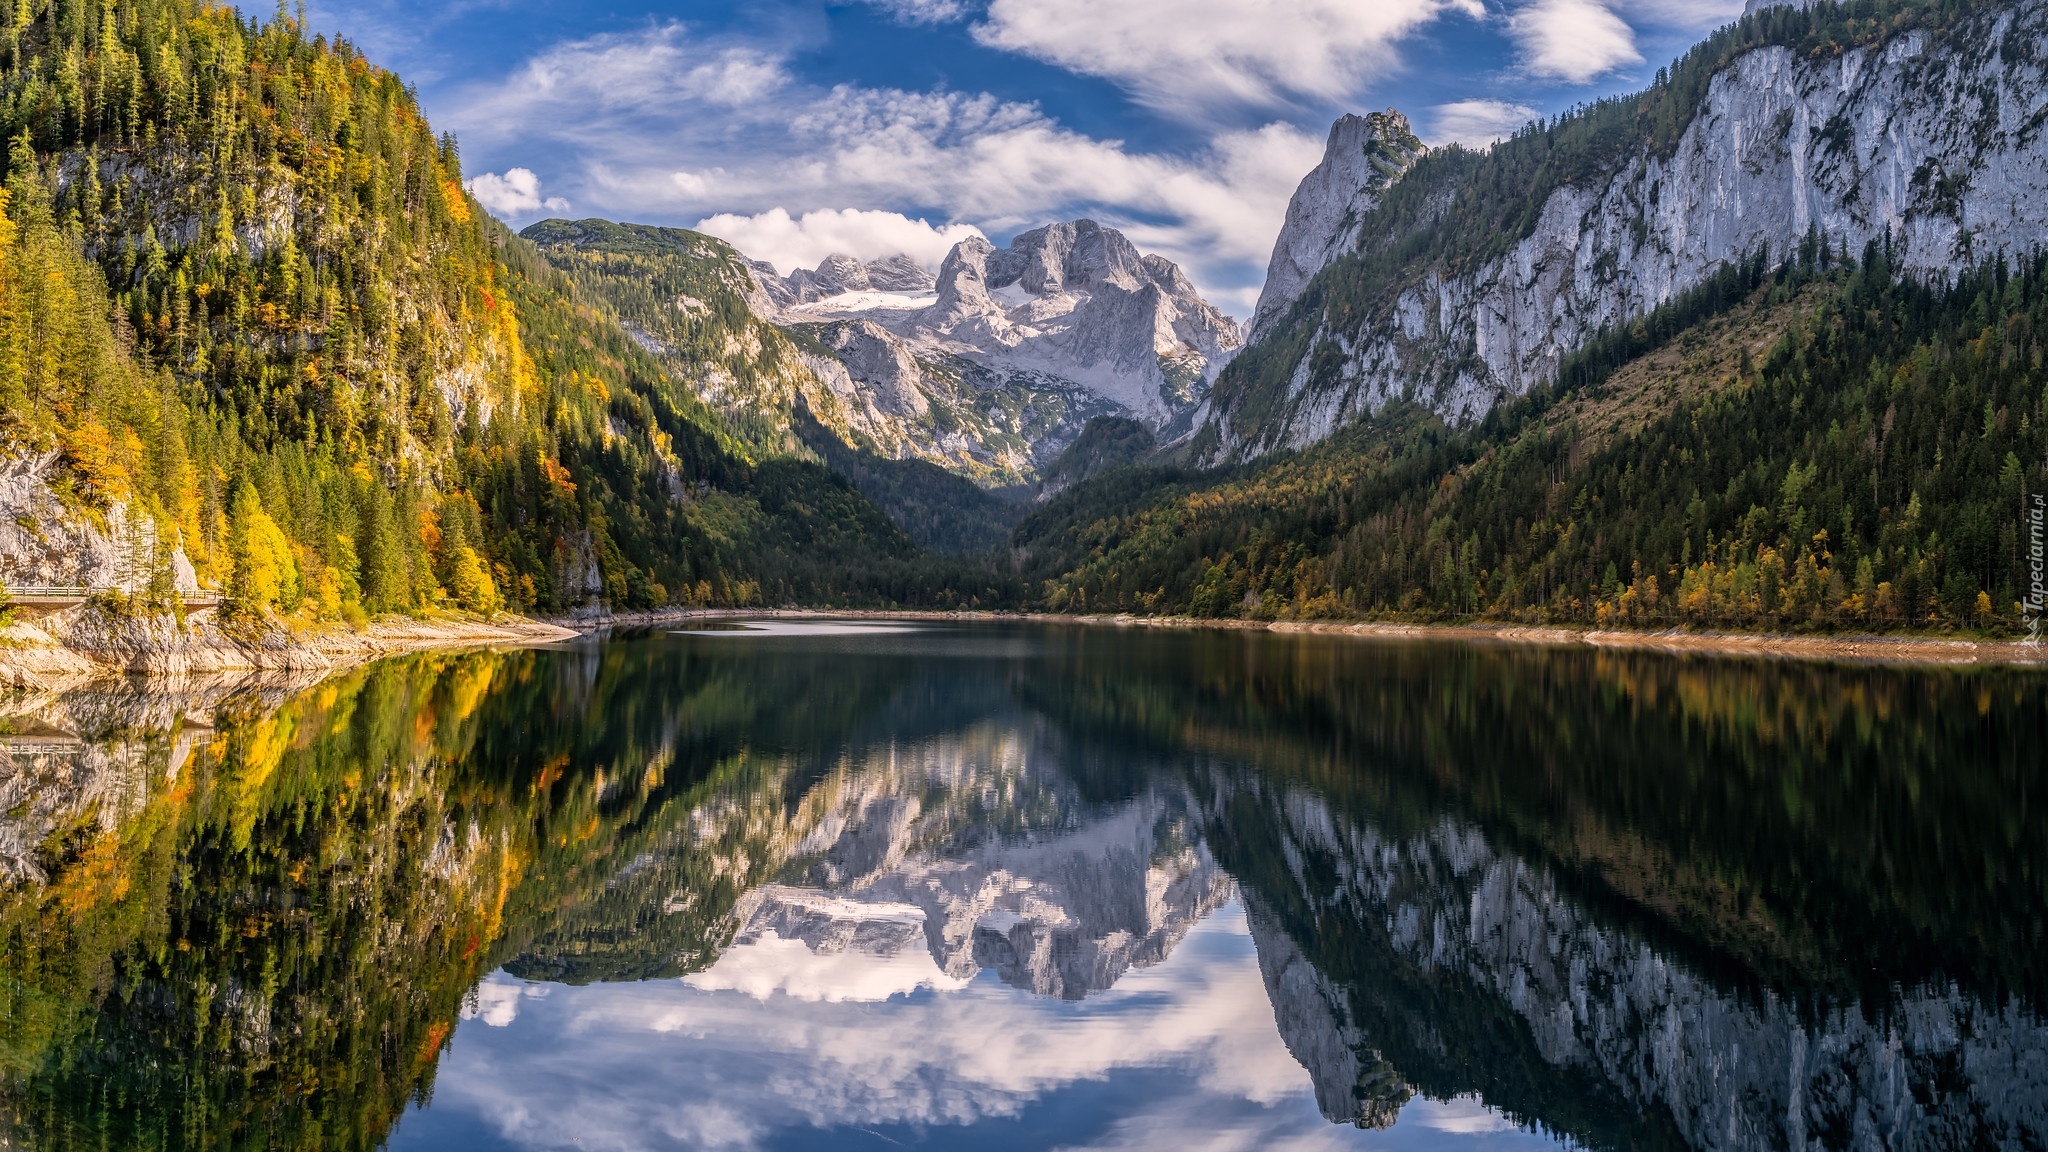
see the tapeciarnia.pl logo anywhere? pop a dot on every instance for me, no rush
(2037, 563)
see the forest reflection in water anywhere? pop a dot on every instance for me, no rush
(1029, 886)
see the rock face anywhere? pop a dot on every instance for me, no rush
(1070, 308)
(1314, 1018)
(1364, 156)
(1447, 911)
(841, 274)
(44, 541)
(1932, 137)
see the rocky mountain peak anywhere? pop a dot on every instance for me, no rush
(900, 273)
(840, 274)
(1070, 316)
(1079, 256)
(1365, 155)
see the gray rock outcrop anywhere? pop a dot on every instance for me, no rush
(45, 541)
(1365, 155)
(1934, 138)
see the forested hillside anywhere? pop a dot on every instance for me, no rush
(683, 297)
(245, 297)
(1824, 446)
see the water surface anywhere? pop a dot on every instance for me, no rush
(1007, 886)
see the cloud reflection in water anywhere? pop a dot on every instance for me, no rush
(760, 1053)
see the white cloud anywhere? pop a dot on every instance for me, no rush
(1460, 1116)
(922, 11)
(790, 242)
(1477, 123)
(1185, 56)
(1684, 15)
(1573, 40)
(515, 194)
(659, 70)
(496, 1002)
(628, 114)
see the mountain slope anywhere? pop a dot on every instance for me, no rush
(297, 362)
(1475, 274)
(1834, 447)
(691, 301)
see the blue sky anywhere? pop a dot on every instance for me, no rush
(796, 128)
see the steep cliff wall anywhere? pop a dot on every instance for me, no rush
(1929, 135)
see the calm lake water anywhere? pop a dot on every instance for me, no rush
(811, 886)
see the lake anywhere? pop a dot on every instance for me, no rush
(810, 885)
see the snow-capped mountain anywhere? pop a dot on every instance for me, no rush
(1072, 308)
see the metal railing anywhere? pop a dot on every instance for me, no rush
(33, 748)
(79, 593)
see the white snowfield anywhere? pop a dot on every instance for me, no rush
(859, 303)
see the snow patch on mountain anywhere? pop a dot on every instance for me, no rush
(1072, 304)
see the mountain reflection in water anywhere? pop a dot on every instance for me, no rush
(1019, 886)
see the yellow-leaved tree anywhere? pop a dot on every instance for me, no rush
(265, 575)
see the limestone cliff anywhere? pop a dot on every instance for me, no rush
(1365, 155)
(1931, 135)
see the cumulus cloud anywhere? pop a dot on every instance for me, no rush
(922, 11)
(626, 110)
(1573, 40)
(1477, 123)
(1190, 55)
(792, 242)
(515, 194)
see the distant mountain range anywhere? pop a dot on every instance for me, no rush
(989, 369)
(1074, 305)
(1070, 320)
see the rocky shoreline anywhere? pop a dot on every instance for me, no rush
(76, 646)
(1917, 650)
